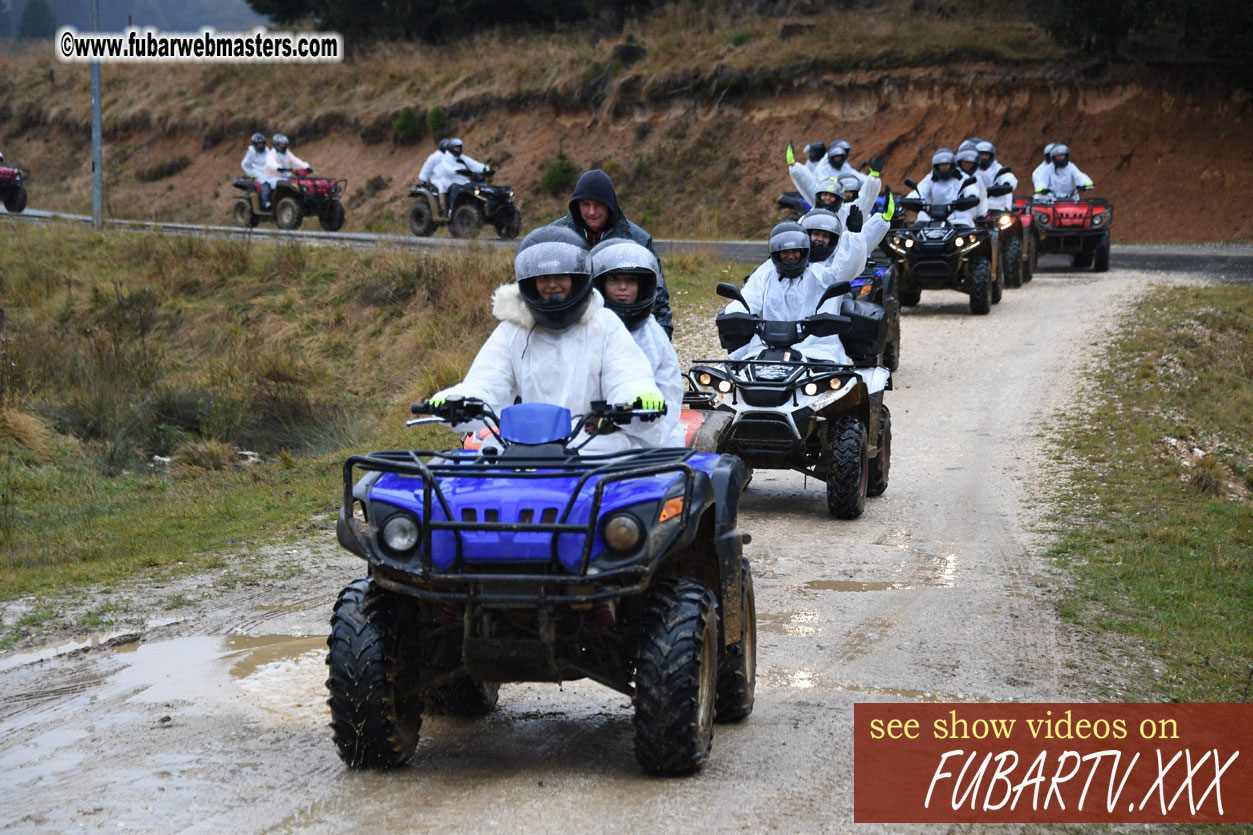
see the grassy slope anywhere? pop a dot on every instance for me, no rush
(1160, 538)
(300, 354)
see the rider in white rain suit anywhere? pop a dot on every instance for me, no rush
(626, 273)
(836, 163)
(993, 175)
(448, 172)
(254, 161)
(563, 347)
(944, 185)
(968, 168)
(1063, 179)
(433, 161)
(1038, 174)
(280, 162)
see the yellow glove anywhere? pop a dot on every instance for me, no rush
(437, 401)
(890, 210)
(791, 155)
(649, 400)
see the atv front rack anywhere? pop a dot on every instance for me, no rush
(519, 585)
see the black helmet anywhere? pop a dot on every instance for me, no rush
(789, 235)
(816, 151)
(621, 255)
(822, 220)
(554, 250)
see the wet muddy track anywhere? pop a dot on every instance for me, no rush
(217, 721)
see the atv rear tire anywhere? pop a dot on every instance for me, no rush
(737, 670)
(1100, 258)
(998, 282)
(911, 292)
(980, 286)
(463, 698)
(333, 218)
(421, 223)
(375, 722)
(676, 671)
(1013, 263)
(288, 214)
(877, 481)
(15, 200)
(892, 353)
(1081, 260)
(511, 227)
(848, 471)
(466, 221)
(1028, 263)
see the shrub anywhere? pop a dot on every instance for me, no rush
(161, 170)
(407, 126)
(560, 175)
(740, 37)
(436, 119)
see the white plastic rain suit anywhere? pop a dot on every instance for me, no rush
(274, 162)
(934, 191)
(254, 162)
(1064, 182)
(447, 170)
(825, 169)
(593, 359)
(664, 362)
(428, 167)
(807, 184)
(992, 176)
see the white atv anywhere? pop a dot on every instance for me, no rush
(788, 407)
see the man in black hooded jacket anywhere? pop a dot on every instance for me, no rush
(594, 214)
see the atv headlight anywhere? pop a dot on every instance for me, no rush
(836, 382)
(622, 532)
(1041, 218)
(1005, 221)
(909, 242)
(1099, 220)
(724, 386)
(810, 389)
(400, 533)
(960, 241)
(705, 379)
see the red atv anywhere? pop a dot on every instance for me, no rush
(294, 198)
(12, 190)
(1078, 228)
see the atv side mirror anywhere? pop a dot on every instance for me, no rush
(963, 203)
(910, 183)
(999, 189)
(835, 290)
(969, 181)
(910, 204)
(1004, 170)
(730, 291)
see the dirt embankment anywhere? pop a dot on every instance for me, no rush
(697, 155)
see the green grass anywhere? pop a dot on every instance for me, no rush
(358, 334)
(1162, 550)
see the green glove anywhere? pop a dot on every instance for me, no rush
(649, 400)
(791, 155)
(891, 207)
(437, 401)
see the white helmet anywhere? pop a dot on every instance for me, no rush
(280, 143)
(986, 147)
(967, 154)
(941, 157)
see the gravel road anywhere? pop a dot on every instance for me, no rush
(211, 717)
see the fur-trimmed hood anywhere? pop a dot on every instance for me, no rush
(507, 306)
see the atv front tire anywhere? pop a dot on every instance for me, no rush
(1013, 263)
(374, 720)
(911, 292)
(288, 213)
(1100, 258)
(676, 671)
(877, 481)
(511, 227)
(333, 218)
(421, 223)
(980, 286)
(737, 669)
(15, 200)
(848, 473)
(1081, 260)
(466, 222)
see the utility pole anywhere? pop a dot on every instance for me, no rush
(97, 161)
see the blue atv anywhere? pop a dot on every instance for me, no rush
(877, 283)
(527, 560)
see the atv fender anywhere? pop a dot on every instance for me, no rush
(728, 482)
(877, 379)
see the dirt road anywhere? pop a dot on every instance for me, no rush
(211, 717)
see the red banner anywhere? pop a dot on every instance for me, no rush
(1057, 763)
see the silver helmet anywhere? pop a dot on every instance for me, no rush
(969, 155)
(785, 236)
(280, 142)
(621, 255)
(943, 156)
(986, 147)
(1060, 150)
(257, 139)
(455, 145)
(850, 182)
(554, 250)
(822, 220)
